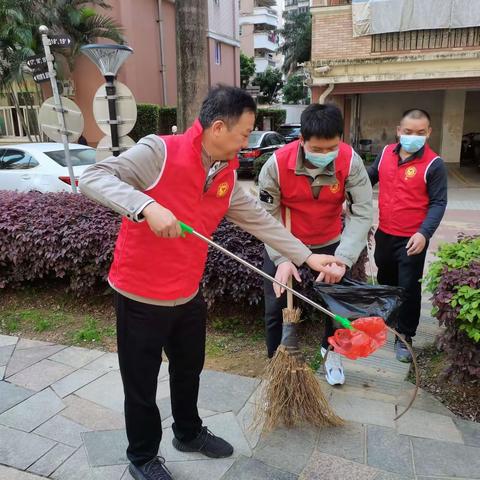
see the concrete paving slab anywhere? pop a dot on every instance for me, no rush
(47, 464)
(28, 355)
(77, 468)
(2, 372)
(470, 431)
(6, 340)
(11, 395)
(5, 354)
(347, 441)
(41, 375)
(76, 380)
(20, 449)
(76, 356)
(33, 411)
(253, 469)
(8, 473)
(418, 423)
(434, 458)
(104, 363)
(362, 410)
(106, 448)
(387, 450)
(246, 420)
(328, 467)
(106, 391)
(91, 415)
(224, 392)
(63, 430)
(287, 450)
(200, 469)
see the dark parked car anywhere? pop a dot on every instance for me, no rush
(291, 131)
(259, 143)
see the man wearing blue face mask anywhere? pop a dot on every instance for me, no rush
(313, 177)
(412, 200)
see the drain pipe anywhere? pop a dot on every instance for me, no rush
(162, 52)
(326, 93)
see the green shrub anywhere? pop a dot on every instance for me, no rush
(166, 120)
(454, 280)
(277, 116)
(258, 163)
(147, 121)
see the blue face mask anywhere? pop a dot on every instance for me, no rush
(412, 143)
(321, 160)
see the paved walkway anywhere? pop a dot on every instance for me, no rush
(61, 416)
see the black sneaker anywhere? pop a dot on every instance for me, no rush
(206, 443)
(402, 352)
(155, 469)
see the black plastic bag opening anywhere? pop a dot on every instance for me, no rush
(353, 299)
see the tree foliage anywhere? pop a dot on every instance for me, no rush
(297, 35)
(247, 69)
(270, 83)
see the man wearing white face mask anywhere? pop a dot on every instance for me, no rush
(412, 200)
(313, 177)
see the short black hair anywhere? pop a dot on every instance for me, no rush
(322, 121)
(225, 103)
(417, 114)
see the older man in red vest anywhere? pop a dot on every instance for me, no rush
(156, 274)
(412, 200)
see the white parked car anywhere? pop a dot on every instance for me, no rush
(41, 166)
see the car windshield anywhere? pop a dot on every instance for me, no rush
(289, 130)
(81, 156)
(254, 139)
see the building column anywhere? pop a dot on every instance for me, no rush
(452, 125)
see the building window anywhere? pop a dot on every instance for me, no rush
(218, 53)
(426, 39)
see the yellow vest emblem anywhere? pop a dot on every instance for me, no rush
(222, 189)
(335, 188)
(410, 172)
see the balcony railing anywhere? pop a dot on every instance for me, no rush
(12, 127)
(330, 3)
(426, 40)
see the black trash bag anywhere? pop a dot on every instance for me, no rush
(353, 299)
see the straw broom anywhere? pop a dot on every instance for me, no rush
(291, 395)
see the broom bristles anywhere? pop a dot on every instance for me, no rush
(292, 395)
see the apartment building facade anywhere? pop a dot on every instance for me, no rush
(300, 6)
(258, 37)
(375, 77)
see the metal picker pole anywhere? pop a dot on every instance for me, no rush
(58, 104)
(112, 113)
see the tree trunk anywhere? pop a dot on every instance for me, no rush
(192, 59)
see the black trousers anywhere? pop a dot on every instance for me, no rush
(143, 332)
(396, 268)
(274, 305)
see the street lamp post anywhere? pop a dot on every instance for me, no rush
(109, 59)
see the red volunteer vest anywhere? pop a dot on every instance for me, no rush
(314, 220)
(403, 197)
(167, 269)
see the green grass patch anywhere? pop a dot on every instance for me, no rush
(36, 319)
(92, 332)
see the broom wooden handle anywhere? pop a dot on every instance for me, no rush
(288, 226)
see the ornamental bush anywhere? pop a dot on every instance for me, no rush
(61, 235)
(454, 281)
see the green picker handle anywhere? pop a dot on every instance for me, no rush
(343, 321)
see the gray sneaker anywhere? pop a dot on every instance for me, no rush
(401, 351)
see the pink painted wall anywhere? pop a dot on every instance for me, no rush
(228, 72)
